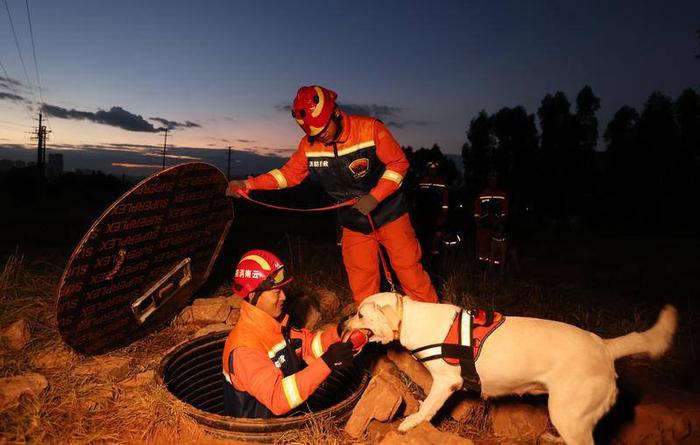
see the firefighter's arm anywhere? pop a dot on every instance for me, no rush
(314, 344)
(259, 377)
(395, 163)
(477, 209)
(504, 206)
(289, 175)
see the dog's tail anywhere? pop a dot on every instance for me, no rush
(654, 341)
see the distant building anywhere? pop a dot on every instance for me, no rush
(54, 169)
(7, 164)
(88, 172)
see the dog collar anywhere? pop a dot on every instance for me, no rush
(399, 308)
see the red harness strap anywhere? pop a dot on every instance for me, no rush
(462, 346)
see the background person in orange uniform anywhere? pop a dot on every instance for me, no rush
(432, 206)
(262, 360)
(490, 215)
(354, 157)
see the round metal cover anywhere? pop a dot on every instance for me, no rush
(143, 258)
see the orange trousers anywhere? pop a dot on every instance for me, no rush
(483, 244)
(361, 259)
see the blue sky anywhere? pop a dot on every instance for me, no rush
(229, 68)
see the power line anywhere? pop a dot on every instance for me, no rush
(36, 65)
(19, 51)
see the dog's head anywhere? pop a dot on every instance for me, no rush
(377, 314)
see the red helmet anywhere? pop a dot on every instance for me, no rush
(313, 107)
(258, 270)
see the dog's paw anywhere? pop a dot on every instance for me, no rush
(409, 422)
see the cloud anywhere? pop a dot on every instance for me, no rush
(173, 125)
(8, 83)
(115, 117)
(245, 141)
(130, 165)
(399, 124)
(12, 97)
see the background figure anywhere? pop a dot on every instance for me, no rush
(432, 205)
(491, 215)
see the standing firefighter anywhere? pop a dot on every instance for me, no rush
(490, 214)
(354, 157)
(262, 360)
(432, 205)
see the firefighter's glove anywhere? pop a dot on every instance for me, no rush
(366, 204)
(235, 186)
(338, 355)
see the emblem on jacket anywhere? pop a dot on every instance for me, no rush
(359, 167)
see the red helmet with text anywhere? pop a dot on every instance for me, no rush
(313, 107)
(258, 270)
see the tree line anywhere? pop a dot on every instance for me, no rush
(640, 174)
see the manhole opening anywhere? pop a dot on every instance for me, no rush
(192, 373)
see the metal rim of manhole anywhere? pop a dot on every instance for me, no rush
(191, 372)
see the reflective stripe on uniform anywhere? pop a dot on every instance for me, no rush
(277, 348)
(391, 175)
(341, 152)
(279, 177)
(291, 392)
(317, 346)
(486, 198)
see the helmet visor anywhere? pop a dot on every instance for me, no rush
(276, 279)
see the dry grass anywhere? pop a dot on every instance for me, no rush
(87, 410)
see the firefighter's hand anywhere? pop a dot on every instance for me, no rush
(235, 186)
(338, 355)
(366, 204)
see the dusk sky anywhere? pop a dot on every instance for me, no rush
(224, 73)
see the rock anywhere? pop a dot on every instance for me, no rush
(185, 317)
(233, 316)
(216, 327)
(464, 405)
(12, 388)
(376, 430)
(105, 367)
(380, 401)
(210, 310)
(141, 379)
(411, 367)
(424, 434)
(389, 372)
(655, 424)
(313, 316)
(54, 358)
(17, 334)
(328, 302)
(517, 419)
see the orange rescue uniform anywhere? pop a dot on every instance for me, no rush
(364, 159)
(262, 371)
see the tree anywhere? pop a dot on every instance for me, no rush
(558, 140)
(623, 177)
(479, 149)
(658, 151)
(587, 104)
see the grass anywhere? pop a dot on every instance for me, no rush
(88, 410)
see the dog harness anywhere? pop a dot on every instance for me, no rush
(462, 346)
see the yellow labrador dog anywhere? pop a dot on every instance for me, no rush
(523, 355)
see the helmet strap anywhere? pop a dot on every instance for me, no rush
(255, 297)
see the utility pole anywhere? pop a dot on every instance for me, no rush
(228, 164)
(41, 136)
(165, 142)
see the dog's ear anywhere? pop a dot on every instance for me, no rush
(391, 315)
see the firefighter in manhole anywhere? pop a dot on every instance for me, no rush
(262, 359)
